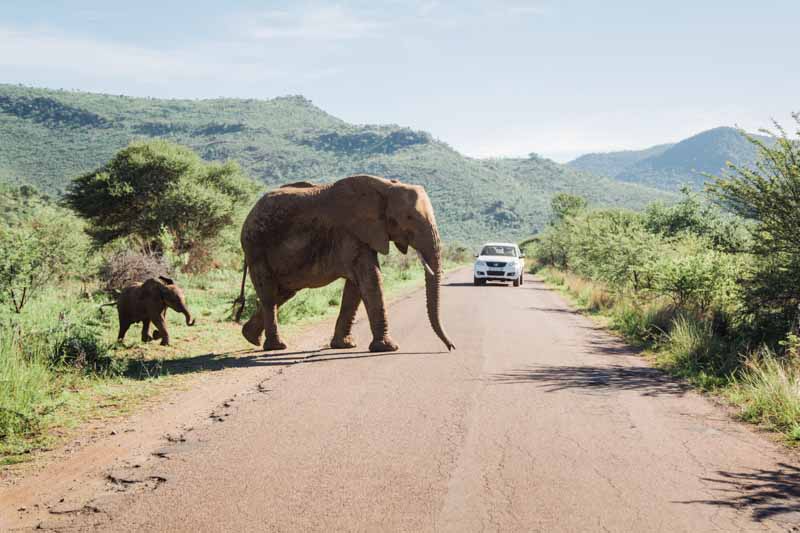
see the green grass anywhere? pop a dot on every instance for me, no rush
(769, 393)
(60, 365)
(763, 387)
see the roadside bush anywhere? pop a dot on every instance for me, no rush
(44, 246)
(769, 392)
(128, 266)
(695, 276)
(645, 323)
(767, 195)
(82, 349)
(694, 350)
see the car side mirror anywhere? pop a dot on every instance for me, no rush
(477, 255)
(522, 256)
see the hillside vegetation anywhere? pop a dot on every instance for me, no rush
(49, 137)
(671, 166)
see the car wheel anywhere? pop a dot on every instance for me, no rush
(521, 281)
(516, 282)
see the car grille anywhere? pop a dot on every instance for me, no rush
(494, 264)
(496, 273)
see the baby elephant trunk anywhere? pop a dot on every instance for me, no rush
(182, 309)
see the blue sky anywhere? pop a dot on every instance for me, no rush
(490, 77)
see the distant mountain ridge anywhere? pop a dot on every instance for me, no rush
(47, 137)
(670, 166)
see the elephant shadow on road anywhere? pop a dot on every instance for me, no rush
(648, 381)
(767, 494)
(213, 362)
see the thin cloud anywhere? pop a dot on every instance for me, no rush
(44, 50)
(319, 23)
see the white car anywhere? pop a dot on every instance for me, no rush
(499, 261)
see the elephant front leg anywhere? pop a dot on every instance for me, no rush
(161, 325)
(370, 283)
(351, 299)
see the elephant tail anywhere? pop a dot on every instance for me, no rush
(240, 300)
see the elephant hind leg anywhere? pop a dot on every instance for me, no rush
(253, 329)
(351, 299)
(124, 325)
(270, 297)
(270, 317)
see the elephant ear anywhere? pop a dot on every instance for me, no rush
(364, 213)
(403, 247)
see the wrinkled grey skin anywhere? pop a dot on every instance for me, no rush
(303, 235)
(148, 302)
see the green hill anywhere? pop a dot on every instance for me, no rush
(47, 137)
(613, 163)
(670, 166)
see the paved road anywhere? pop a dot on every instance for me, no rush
(538, 422)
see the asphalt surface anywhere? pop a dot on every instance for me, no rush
(539, 421)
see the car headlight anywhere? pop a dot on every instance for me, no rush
(513, 264)
(480, 264)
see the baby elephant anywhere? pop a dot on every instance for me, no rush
(147, 302)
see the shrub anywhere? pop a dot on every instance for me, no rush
(44, 246)
(128, 266)
(82, 349)
(695, 276)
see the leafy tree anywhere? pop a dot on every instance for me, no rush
(43, 247)
(692, 215)
(157, 185)
(564, 204)
(769, 194)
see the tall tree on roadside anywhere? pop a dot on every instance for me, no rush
(769, 194)
(155, 185)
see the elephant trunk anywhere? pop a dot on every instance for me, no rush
(431, 256)
(182, 309)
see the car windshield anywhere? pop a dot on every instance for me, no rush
(499, 250)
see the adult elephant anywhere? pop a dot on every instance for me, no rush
(303, 235)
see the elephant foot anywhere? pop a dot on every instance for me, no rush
(343, 343)
(156, 334)
(271, 345)
(165, 342)
(253, 333)
(383, 345)
(147, 338)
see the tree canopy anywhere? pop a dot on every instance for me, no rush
(157, 185)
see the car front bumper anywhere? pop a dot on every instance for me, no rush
(489, 273)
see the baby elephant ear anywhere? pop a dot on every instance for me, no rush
(166, 280)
